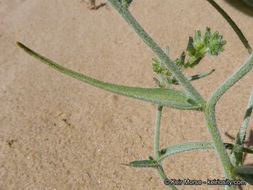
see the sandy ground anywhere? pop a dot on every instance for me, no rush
(57, 133)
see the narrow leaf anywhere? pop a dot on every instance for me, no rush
(190, 49)
(195, 77)
(143, 163)
(197, 35)
(178, 148)
(166, 97)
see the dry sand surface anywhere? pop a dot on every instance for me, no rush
(57, 133)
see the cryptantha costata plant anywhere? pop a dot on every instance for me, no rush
(169, 73)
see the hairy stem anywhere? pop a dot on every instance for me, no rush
(229, 82)
(157, 132)
(156, 144)
(164, 177)
(126, 15)
(218, 143)
(210, 114)
(232, 24)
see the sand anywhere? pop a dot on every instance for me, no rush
(57, 133)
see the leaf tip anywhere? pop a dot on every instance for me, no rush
(19, 44)
(22, 46)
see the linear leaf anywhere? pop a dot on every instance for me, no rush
(178, 148)
(201, 75)
(166, 97)
(195, 77)
(143, 163)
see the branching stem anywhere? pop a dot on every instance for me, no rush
(157, 50)
(209, 107)
(164, 177)
(210, 114)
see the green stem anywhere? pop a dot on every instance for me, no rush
(156, 144)
(157, 50)
(218, 143)
(210, 114)
(243, 70)
(164, 177)
(157, 132)
(232, 24)
(215, 135)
